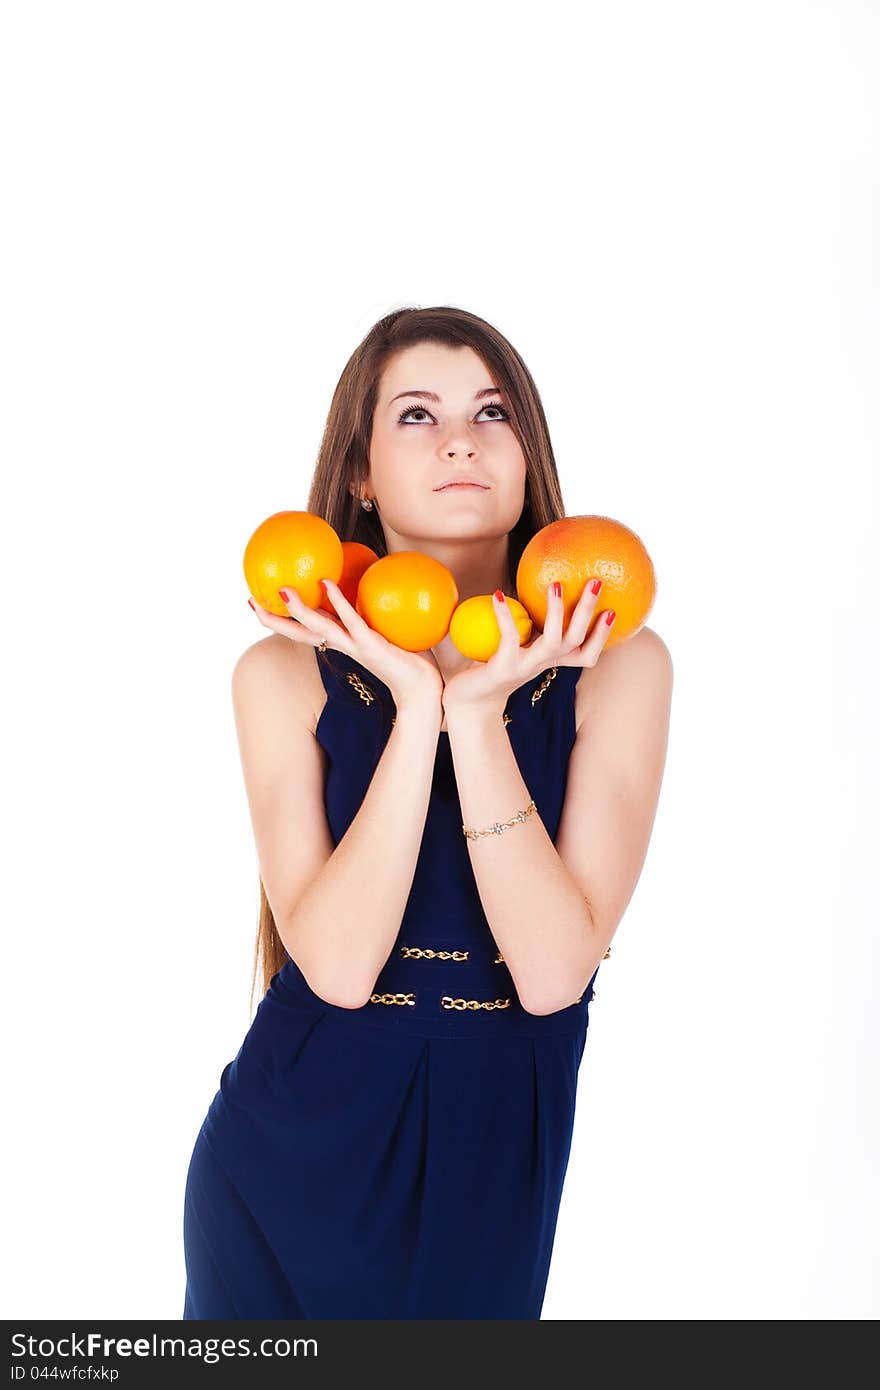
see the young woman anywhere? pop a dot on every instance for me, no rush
(446, 848)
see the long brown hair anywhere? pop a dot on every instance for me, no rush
(343, 458)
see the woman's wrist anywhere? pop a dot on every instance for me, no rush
(420, 687)
(423, 709)
(474, 714)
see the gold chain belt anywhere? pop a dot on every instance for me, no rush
(420, 952)
(426, 952)
(447, 1002)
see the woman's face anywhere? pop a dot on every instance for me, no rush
(438, 416)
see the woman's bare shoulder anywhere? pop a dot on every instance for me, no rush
(637, 658)
(274, 667)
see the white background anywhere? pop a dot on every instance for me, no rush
(671, 211)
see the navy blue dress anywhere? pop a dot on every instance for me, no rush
(404, 1159)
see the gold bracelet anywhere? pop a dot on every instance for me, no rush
(497, 828)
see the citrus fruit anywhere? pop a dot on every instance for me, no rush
(356, 557)
(575, 550)
(293, 550)
(474, 627)
(409, 598)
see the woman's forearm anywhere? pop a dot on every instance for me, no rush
(535, 909)
(344, 925)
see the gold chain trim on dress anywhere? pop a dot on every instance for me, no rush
(418, 952)
(392, 999)
(368, 696)
(449, 1003)
(537, 693)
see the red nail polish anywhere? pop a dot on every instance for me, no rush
(499, 595)
(252, 604)
(557, 588)
(282, 595)
(610, 618)
(596, 585)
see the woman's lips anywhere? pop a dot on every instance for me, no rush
(452, 487)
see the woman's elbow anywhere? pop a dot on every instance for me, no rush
(338, 988)
(549, 1000)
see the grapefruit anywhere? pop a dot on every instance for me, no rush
(293, 550)
(409, 598)
(577, 549)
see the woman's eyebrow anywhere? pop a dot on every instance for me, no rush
(432, 396)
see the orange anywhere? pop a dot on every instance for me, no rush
(474, 627)
(409, 598)
(575, 550)
(292, 550)
(356, 557)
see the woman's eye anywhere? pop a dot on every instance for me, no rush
(420, 410)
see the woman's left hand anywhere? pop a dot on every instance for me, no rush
(487, 685)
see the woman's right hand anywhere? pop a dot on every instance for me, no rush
(412, 677)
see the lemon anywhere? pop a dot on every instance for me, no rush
(474, 627)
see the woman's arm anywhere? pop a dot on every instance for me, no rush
(337, 910)
(553, 909)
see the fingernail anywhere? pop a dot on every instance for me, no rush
(557, 588)
(610, 618)
(283, 595)
(252, 604)
(596, 585)
(499, 595)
